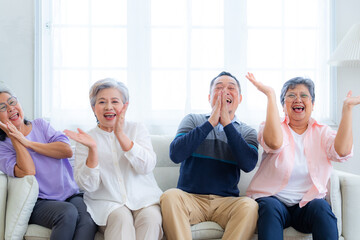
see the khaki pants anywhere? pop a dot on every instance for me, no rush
(237, 215)
(141, 224)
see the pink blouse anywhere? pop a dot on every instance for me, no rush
(276, 165)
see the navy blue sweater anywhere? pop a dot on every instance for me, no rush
(211, 158)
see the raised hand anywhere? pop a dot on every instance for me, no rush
(81, 137)
(351, 101)
(120, 119)
(259, 85)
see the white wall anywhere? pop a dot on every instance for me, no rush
(17, 61)
(17, 51)
(347, 14)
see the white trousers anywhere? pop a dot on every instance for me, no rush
(125, 224)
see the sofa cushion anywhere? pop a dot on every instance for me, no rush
(206, 230)
(22, 195)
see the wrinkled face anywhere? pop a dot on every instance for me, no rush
(231, 89)
(298, 105)
(108, 102)
(10, 110)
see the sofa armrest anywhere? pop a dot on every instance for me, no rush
(3, 195)
(22, 194)
(350, 193)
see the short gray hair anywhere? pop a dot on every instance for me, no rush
(5, 89)
(108, 83)
(292, 83)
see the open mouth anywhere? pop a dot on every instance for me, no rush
(228, 100)
(109, 116)
(14, 117)
(298, 109)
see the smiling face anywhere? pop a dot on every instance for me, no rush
(14, 113)
(108, 103)
(298, 106)
(233, 96)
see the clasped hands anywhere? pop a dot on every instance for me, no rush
(220, 113)
(13, 133)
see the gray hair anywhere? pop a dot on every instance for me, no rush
(292, 83)
(5, 89)
(108, 83)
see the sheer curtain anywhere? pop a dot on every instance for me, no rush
(167, 52)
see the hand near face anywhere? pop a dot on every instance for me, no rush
(215, 114)
(224, 111)
(81, 137)
(351, 101)
(259, 85)
(120, 119)
(4, 128)
(14, 133)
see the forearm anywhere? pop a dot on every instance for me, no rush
(245, 155)
(184, 145)
(24, 163)
(344, 137)
(56, 150)
(273, 135)
(125, 142)
(92, 160)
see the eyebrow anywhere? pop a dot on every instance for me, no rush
(222, 83)
(105, 99)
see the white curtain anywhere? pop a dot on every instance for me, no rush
(167, 52)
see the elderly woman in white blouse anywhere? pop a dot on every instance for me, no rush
(113, 165)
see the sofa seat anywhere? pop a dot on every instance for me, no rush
(18, 195)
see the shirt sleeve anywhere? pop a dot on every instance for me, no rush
(261, 140)
(188, 138)
(51, 135)
(7, 158)
(87, 178)
(245, 153)
(329, 141)
(141, 156)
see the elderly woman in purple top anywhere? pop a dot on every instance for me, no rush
(35, 148)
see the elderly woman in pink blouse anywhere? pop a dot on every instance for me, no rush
(113, 164)
(290, 184)
(35, 148)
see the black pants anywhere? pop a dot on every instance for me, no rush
(68, 219)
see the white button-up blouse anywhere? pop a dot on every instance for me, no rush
(120, 178)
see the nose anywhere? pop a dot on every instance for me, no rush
(108, 106)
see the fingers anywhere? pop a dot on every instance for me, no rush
(80, 131)
(349, 94)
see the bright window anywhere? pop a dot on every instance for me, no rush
(167, 52)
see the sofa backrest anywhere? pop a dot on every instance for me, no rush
(166, 171)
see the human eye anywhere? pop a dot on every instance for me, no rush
(304, 96)
(291, 95)
(2, 107)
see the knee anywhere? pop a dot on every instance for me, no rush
(170, 197)
(247, 205)
(321, 208)
(69, 214)
(269, 206)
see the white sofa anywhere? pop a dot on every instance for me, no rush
(18, 195)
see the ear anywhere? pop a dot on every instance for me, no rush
(209, 98)
(240, 98)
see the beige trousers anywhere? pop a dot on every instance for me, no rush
(237, 215)
(126, 224)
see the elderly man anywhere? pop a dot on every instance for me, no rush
(212, 149)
